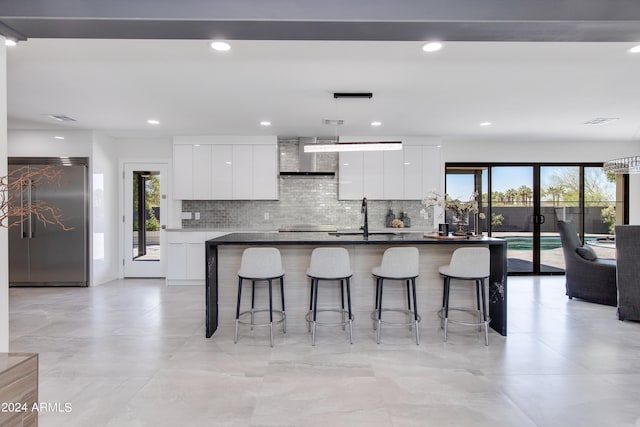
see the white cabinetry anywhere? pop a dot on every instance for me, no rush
(431, 170)
(186, 256)
(391, 175)
(413, 172)
(265, 172)
(350, 176)
(242, 172)
(206, 168)
(182, 175)
(372, 175)
(201, 175)
(222, 172)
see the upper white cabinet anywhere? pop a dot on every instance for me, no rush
(201, 172)
(222, 172)
(350, 176)
(182, 182)
(413, 169)
(408, 174)
(393, 175)
(372, 175)
(265, 172)
(242, 172)
(225, 168)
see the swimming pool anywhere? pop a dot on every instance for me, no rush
(526, 243)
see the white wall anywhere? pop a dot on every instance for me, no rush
(104, 212)
(4, 236)
(41, 143)
(459, 150)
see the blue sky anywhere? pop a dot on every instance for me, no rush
(504, 178)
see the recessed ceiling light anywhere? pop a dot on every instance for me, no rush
(432, 46)
(376, 123)
(486, 124)
(153, 122)
(635, 49)
(58, 137)
(220, 46)
(10, 42)
(265, 123)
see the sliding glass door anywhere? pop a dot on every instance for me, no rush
(513, 214)
(523, 203)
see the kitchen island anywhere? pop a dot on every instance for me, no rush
(223, 260)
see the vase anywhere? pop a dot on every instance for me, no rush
(461, 221)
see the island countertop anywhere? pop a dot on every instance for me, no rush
(375, 241)
(346, 238)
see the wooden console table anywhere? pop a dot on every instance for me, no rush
(18, 389)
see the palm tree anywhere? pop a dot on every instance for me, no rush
(526, 193)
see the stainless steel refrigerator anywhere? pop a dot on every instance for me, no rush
(45, 254)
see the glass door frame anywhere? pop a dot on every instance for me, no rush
(538, 218)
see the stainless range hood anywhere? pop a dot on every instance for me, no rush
(295, 162)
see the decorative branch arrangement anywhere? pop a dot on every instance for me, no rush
(13, 189)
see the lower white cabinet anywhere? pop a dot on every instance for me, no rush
(186, 256)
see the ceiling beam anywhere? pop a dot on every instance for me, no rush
(402, 20)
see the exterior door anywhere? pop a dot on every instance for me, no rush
(523, 203)
(144, 219)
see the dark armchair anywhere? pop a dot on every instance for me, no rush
(588, 277)
(628, 259)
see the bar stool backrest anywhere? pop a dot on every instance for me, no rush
(329, 263)
(261, 263)
(400, 263)
(469, 263)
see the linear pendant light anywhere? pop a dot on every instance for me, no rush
(353, 146)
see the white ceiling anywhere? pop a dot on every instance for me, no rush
(528, 90)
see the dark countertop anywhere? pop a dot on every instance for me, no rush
(324, 238)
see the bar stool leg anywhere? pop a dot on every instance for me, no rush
(253, 300)
(310, 306)
(381, 284)
(284, 315)
(478, 304)
(484, 314)
(270, 313)
(235, 335)
(350, 315)
(415, 310)
(409, 302)
(342, 302)
(447, 281)
(315, 312)
(375, 323)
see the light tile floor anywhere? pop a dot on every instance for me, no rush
(133, 353)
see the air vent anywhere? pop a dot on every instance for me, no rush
(352, 95)
(333, 122)
(61, 118)
(601, 121)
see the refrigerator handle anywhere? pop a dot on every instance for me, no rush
(30, 183)
(22, 233)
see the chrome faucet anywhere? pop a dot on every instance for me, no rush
(363, 210)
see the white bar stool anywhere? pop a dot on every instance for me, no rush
(261, 264)
(329, 264)
(467, 264)
(398, 263)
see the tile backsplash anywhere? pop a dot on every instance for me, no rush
(303, 200)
